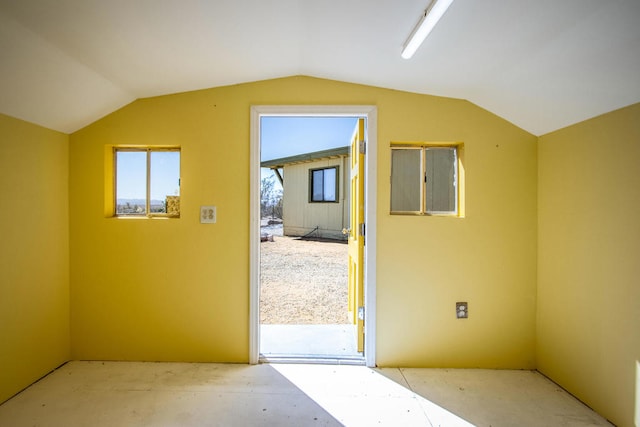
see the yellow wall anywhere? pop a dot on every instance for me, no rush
(487, 258)
(179, 290)
(589, 240)
(34, 253)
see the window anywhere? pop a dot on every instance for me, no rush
(147, 182)
(424, 180)
(323, 185)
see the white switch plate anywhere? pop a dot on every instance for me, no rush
(207, 214)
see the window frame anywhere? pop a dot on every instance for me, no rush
(337, 185)
(422, 176)
(148, 150)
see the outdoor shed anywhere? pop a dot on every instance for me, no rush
(315, 197)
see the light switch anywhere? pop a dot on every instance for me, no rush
(207, 214)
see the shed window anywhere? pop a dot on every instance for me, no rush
(424, 180)
(147, 181)
(323, 185)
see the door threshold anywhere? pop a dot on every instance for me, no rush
(312, 359)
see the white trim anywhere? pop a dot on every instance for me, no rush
(369, 112)
(254, 239)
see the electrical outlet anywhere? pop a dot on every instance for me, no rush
(207, 214)
(462, 310)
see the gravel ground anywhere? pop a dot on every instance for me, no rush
(303, 282)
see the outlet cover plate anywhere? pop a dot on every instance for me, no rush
(462, 310)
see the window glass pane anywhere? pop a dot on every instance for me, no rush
(317, 183)
(165, 182)
(405, 180)
(440, 191)
(131, 182)
(330, 185)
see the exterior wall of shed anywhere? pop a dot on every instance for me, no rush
(300, 216)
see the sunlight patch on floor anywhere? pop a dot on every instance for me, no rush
(357, 396)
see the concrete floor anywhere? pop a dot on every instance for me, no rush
(327, 342)
(197, 394)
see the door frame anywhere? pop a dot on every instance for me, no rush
(370, 113)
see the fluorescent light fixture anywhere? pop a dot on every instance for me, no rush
(431, 16)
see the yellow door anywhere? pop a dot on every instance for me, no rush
(356, 233)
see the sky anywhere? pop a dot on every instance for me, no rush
(290, 136)
(131, 174)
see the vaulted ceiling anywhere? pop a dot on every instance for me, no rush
(541, 64)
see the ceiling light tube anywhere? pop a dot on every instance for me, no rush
(431, 16)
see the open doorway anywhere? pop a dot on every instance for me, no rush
(363, 319)
(305, 301)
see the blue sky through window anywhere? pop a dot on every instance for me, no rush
(131, 175)
(165, 174)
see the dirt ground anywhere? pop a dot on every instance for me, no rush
(303, 282)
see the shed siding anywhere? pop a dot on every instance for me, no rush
(301, 217)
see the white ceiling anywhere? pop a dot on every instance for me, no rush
(541, 64)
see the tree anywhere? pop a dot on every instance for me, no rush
(270, 198)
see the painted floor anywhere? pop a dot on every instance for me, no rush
(199, 394)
